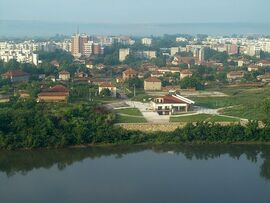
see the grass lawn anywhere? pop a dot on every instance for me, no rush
(189, 119)
(128, 119)
(218, 118)
(129, 111)
(247, 102)
(203, 117)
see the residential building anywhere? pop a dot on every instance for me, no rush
(76, 46)
(16, 76)
(233, 75)
(149, 54)
(123, 53)
(58, 93)
(185, 73)
(180, 39)
(253, 67)
(152, 84)
(147, 41)
(64, 75)
(174, 51)
(264, 78)
(109, 86)
(177, 60)
(263, 63)
(128, 74)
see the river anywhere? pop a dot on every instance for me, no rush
(138, 174)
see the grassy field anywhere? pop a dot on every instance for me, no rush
(132, 115)
(129, 111)
(129, 119)
(203, 117)
(245, 102)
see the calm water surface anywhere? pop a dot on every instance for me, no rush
(166, 174)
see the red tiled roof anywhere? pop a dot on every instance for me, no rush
(59, 88)
(152, 79)
(236, 73)
(52, 94)
(186, 71)
(264, 62)
(15, 73)
(130, 71)
(106, 84)
(170, 99)
(64, 72)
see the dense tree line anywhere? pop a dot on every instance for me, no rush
(32, 125)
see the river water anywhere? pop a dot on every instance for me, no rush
(138, 174)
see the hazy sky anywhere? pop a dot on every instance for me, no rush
(136, 11)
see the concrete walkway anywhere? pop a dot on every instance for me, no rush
(150, 116)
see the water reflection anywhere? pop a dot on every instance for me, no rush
(12, 162)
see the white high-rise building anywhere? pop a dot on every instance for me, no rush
(88, 48)
(146, 41)
(174, 50)
(201, 54)
(123, 53)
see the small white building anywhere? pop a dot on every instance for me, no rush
(108, 86)
(64, 75)
(146, 41)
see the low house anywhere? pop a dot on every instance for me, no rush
(177, 60)
(171, 104)
(119, 80)
(169, 70)
(89, 65)
(185, 73)
(264, 78)
(4, 98)
(152, 84)
(156, 74)
(263, 63)
(24, 94)
(81, 74)
(129, 73)
(58, 93)
(16, 76)
(109, 86)
(55, 63)
(234, 75)
(64, 75)
(253, 67)
(149, 67)
(100, 66)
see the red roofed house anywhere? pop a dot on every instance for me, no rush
(109, 86)
(253, 67)
(16, 76)
(55, 63)
(183, 60)
(171, 104)
(152, 84)
(185, 73)
(58, 93)
(129, 73)
(263, 63)
(233, 75)
(264, 78)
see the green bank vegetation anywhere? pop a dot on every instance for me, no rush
(30, 125)
(203, 117)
